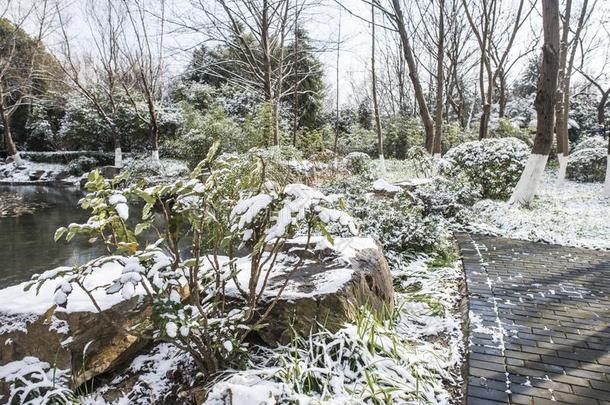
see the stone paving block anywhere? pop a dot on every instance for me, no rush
(552, 306)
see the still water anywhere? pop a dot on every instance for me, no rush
(26, 241)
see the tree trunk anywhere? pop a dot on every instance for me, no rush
(503, 98)
(607, 182)
(268, 72)
(424, 112)
(9, 144)
(440, 83)
(601, 109)
(374, 95)
(336, 143)
(545, 106)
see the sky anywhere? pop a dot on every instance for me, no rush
(322, 23)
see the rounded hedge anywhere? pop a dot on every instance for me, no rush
(492, 165)
(358, 163)
(587, 165)
(592, 142)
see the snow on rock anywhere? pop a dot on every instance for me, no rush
(325, 286)
(384, 186)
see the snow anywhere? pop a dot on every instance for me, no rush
(246, 390)
(382, 185)
(23, 175)
(327, 282)
(15, 301)
(119, 202)
(565, 213)
(34, 382)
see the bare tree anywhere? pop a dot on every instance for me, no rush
(545, 106)
(486, 21)
(440, 82)
(143, 48)
(100, 80)
(374, 95)
(20, 57)
(565, 72)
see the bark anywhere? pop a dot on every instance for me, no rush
(374, 95)
(335, 145)
(601, 109)
(424, 112)
(545, 106)
(9, 144)
(438, 118)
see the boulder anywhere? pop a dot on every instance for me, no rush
(62, 175)
(328, 288)
(36, 175)
(77, 339)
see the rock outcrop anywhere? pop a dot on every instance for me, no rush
(327, 289)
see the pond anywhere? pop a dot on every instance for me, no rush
(29, 216)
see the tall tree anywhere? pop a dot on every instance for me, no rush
(143, 48)
(374, 95)
(22, 70)
(491, 33)
(98, 76)
(545, 106)
(566, 65)
(440, 82)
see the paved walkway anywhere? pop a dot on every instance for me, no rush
(539, 322)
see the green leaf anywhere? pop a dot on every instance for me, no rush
(59, 233)
(141, 227)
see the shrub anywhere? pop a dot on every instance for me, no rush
(587, 165)
(590, 142)
(207, 216)
(65, 157)
(397, 222)
(358, 163)
(446, 197)
(492, 165)
(453, 136)
(400, 135)
(505, 128)
(359, 140)
(82, 165)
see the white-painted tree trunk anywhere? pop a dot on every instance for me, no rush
(155, 156)
(118, 158)
(17, 161)
(382, 167)
(436, 158)
(607, 182)
(530, 178)
(563, 165)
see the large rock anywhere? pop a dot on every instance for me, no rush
(328, 288)
(36, 175)
(109, 172)
(78, 338)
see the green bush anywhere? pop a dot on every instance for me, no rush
(453, 136)
(82, 165)
(594, 142)
(400, 134)
(358, 163)
(587, 165)
(505, 128)
(359, 140)
(65, 157)
(494, 166)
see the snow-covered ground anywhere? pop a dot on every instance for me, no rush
(21, 173)
(565, 213)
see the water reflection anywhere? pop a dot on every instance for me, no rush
(26, 241)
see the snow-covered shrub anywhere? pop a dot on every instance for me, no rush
(492, 165)
(65, 157)
(587, 165)
(359, 140)
(398, 222)
(421, 161)
(82, 165)
(446, 197)
(505, 128)
(454, 135)
(358, 163)
(237, 207)
(400, 134)
(590, 142)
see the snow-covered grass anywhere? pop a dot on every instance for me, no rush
(398, 170)
(413, 357)
(568, 213)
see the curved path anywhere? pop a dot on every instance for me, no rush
(539, 318)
